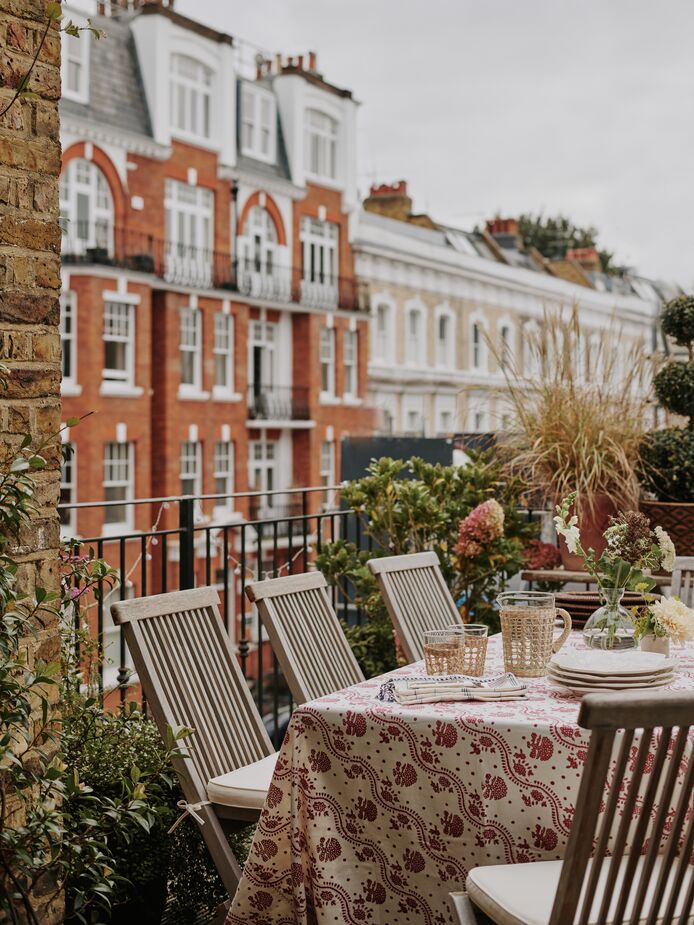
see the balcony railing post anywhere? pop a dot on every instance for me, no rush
(186, 524)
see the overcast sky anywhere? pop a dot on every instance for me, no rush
(512, 105)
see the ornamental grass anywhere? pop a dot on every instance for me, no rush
(579, 411)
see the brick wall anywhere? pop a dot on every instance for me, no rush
(29, 285)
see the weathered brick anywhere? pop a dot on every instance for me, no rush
(47, 121)
(47, 419)
(16, 345)
(46, 347)
(29, 307)
(18, 152)
(30, 233)
(47, 272)
(19, 419)
(24, 382)
(18, 37)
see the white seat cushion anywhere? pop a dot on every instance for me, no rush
(246, 787)
(523, 894)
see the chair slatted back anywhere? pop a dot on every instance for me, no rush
(191, 677)
(306, 635)
(640, 771)
(683, 579)
(416, 596)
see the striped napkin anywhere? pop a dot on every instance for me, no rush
(447, 688)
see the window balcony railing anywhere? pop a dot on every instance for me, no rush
(278, 403)
(200, 267)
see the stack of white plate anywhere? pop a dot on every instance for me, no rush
(596, 671)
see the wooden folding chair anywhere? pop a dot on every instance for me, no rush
(629, 863)
(682, 584)
(306, 635)
(416, 596)
(191, 678)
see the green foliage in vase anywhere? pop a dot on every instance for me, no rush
(412, 506)
(667, 455)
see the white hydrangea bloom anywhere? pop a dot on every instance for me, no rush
(667, 549)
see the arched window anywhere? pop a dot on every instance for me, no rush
(259, 243)
(320, 144)
(382, 332)
(531, 350)
(414, 337)
(191, 95)
(445, 338)
(86, 209)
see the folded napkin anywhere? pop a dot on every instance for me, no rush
(447, 688)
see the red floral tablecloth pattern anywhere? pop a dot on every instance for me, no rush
(377, 811)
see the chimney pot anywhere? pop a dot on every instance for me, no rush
(300, 62)
(586, 257)
(389, 189)
(312, 61)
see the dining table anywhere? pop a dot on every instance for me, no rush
(377, 810)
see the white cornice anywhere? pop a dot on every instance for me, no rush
(275, 185)
(111, 134)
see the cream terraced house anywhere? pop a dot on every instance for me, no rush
(438, 295)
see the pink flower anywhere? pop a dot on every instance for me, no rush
(481, 527)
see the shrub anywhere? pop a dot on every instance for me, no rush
(667, 464)
(674, 387)
(667, 456)
(412, 506)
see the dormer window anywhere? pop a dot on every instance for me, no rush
(258, 123)
(191, 94)
(75, 66)
(320, 145)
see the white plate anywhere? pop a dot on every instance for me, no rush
(586, 678)
(597, 662)
(613, 685)
(582, 691)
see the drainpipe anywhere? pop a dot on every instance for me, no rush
(234, 236)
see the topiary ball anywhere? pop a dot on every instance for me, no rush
(667, 464)
(674, 387)
(677, 320)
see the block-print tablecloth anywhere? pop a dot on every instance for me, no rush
(377, 811)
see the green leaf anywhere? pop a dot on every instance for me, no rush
(53, 11)
(72, 422)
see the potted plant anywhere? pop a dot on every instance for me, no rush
(667, 455)
(632, 550)
(662, 621)
(575, 430)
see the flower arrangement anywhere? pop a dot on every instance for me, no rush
(669, 618)
(632, 548)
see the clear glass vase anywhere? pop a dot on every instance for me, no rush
(611, 626)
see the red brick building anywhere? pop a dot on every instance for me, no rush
(211, 319)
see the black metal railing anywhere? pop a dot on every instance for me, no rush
(279, 534)
(190, 265)
(278, 403)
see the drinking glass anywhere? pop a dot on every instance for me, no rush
(474, 654)
(443, 652)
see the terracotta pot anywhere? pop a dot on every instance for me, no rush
(651, 643)
(592, 526)
(675, 517)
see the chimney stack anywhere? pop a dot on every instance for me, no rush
(390, 199)
(505, 232)
(586, 257)
(312, 61)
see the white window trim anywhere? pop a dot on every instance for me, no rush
(327, 395)
(82, 94)
(109, 529)
(323, 178)
(255, 151)
(327, 475)
(530, 358)
(483, 365)
(182, 258)
(351, 393)
(197, 476)
(122, 378)
(69, 385)
(100, 219)
(227, 391)
(419, 358)
(386, 358)
(224, 507)
(68, 531)
(512, 342)
(192, 391)
(449, 360)
(200, 89)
